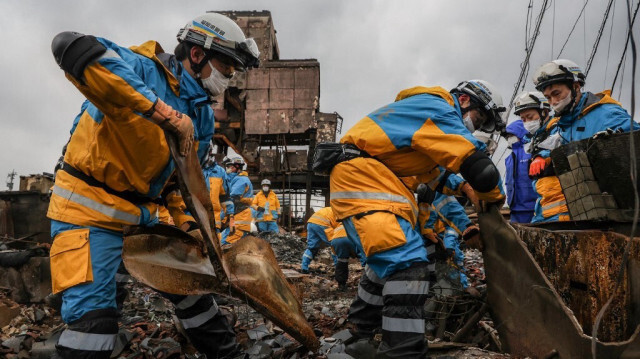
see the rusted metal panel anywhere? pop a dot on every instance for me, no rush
(307, 77)
(326, 124)
(281, 98)
(256, 122)
(528, 311)
(281, 78)
(250, 150)
(269, 161)
(257, 100)
(279, 120)
(582, 266)
(297, 160)
(302, 120)
(40, 183)
(306, 98)
(258, 79)
(28, 215)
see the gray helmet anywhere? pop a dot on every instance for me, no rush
(265, 182)
(530, 99)
(484, 95)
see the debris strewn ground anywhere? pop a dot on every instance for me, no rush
(148, 328)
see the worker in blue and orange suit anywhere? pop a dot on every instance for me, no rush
(521, 197)
(266, 208)
(423, 129)
(118, 165)
(541, 138)
(443, 221)
(241, 194)
(323, 230)
(218, 185)
(581, 114)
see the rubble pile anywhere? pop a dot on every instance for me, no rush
(149, 329)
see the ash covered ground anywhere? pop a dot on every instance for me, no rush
(148, 328)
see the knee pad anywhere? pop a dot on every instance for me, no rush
(480, 172)
(73, 51)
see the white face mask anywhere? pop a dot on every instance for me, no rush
(229, 169)
(468, 123)
(216, 83)
(532, 126)
(560, 106)
(265, 188)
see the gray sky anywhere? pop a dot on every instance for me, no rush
(368, 51)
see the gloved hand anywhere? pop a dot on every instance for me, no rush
(431, 236)
(471, 233)
(537, 166)
(260, 209)
(171, 120)
(606, 133)
(471, 195)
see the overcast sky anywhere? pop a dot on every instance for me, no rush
(368, 51)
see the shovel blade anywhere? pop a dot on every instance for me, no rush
(168, 259)
(255, 274)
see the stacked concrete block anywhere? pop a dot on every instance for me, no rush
(584, 198)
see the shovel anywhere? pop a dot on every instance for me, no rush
(168, 259)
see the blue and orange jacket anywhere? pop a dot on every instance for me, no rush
(520, 193)
(413, 136)
(113, 143)
(594, 113)
(216, 179)
(271, 206)
(326, 218)
(241, 193)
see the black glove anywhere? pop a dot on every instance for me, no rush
(260, 209)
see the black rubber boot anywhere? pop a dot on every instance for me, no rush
(342, 272)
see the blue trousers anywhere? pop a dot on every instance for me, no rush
(267, 226)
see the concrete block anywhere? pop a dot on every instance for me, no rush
(584, 160)
(583, 189)
(279, 120)
(578, 175)
(602, 213)
(567, 180)
(306, 98)
(307, 78)
(609, 201)
(593, 214)
(256, 122)
(302, 120)
(579, 207)
(587, 203)
(571, 193)
(573, 208)
(594, 188)
(258, 79)
(574, 161)
(257, 100)
(588, 174)
(281, 78)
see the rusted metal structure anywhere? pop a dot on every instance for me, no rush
(547, 282)
(23, 213)
(271, 117)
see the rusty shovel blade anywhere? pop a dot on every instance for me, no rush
(255, 274)
(168, 259)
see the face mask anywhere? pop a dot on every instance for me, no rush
(532, 126)
(265, 189)
(562, 105)
(229, 169)
(216, 83)
(468, 123)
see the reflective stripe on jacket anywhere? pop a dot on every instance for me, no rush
(115, 144)
(326, 218)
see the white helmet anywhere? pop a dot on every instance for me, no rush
(530, 99)
(265, 182)
(558, 71)
(218, 33)
(484, 95)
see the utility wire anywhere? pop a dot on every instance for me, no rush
(597, 42)
(633, 173)
(573, 28)
(606, 68)
(626, 45)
